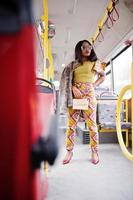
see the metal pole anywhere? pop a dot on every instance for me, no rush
(112, 76)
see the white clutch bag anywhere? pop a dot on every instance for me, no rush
(80, 104)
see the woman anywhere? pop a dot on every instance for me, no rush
(77, 81)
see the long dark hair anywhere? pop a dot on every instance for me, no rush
(78, 53)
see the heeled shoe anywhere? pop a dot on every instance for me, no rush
(95, 160)
(68, 158)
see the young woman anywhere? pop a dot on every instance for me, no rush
(78, 81)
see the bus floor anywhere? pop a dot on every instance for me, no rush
(110, 179)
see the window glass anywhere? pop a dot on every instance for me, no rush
(122, 70)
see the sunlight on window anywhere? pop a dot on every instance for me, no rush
(122, 70)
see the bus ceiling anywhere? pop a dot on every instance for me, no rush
(76, 20)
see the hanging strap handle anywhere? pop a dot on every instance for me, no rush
(100, 35)
(114, 14)
(109, 21)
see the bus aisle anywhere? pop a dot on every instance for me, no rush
(111, 179)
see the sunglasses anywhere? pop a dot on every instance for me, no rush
(84, 48)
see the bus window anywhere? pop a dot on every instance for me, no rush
(122, 70)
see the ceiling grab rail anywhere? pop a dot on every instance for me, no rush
(118, 126)
(108, 15)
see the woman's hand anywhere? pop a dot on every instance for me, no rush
(76, 92)
(101, 78)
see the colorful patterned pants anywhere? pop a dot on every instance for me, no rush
(89, 116)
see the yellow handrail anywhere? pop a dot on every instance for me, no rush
(45, 19)
(48, 70)
(44, 35)
(102, 20)
(118, 125)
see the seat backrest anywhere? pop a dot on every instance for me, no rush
(106, 111)
(46, 106)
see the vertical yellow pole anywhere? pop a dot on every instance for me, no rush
(48, 71)
(45, 36)
(118, 125)
(45, 46)
(51, 67)
(120, 138)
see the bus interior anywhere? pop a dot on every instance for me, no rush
(37, 40)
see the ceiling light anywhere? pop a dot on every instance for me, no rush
(73, 10)
(74, 7)
(68, 35)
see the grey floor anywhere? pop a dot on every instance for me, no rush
(111, 179)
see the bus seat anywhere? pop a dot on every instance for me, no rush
(100, 90)
(106, 116)
(46, 147)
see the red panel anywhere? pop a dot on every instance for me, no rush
(17, 133)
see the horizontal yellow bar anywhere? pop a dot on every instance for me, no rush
(102, 20)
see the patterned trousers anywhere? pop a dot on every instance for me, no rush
(89, 116)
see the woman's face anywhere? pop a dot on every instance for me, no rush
(86, 49)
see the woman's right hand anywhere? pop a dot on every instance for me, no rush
(76, 92)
